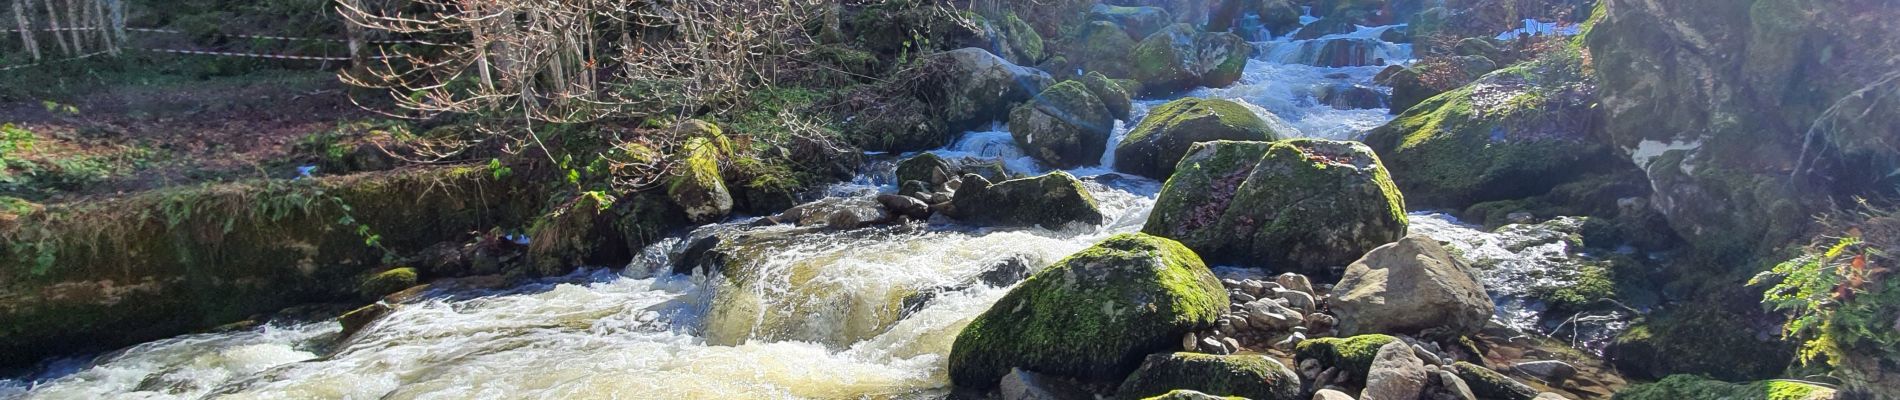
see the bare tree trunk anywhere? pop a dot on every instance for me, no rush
(52, 20)
(72, 17)
(26, 29)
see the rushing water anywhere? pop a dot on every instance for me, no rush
(822, 315)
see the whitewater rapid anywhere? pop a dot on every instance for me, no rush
(822, 318)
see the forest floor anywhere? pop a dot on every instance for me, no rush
(87, 137)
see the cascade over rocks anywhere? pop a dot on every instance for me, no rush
(1154, 147)
(1182, 57)
(1251, 376)
(1092, 316)
(1413, 287)
(1300, 205)
(1051, 201)
(1066, 126)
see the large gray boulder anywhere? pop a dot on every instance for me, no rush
(1066, 126)
(1183, 57)
(1411, 287)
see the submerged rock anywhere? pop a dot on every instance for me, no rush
(1154, 147)
(1413, 287)
(1050, 201)
(1251, 376)
(1093, 315)
(1300, 205)
(1065, 127)
(1182, 57)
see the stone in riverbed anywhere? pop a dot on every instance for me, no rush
(1065, 126)
(1413, 287)
(1050, 201)
(928, 168)
(1300, 205)
(1251, 376)
(1181, 57)
(1159, 142)
(1351, 356)
(1396, 374)
(1136, 21)
(1092, 316)
(1488, 384)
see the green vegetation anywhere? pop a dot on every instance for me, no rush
(1688, 387)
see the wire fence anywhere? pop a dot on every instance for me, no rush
(103, 30)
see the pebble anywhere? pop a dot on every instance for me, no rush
(1242, 297)
(1299, 300)
(1190, 342)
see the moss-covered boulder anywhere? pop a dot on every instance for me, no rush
(1064, 127)
(928, 168)
(1050, 201)
(1351, 356)
(1021, 43)
(1251, 376)
(379, 284)
(1136, 21)
(697, 186)
(968, 88)
(1119, 99)
(1094, 315)
(95, 275)
(1515, 133)
(1489, 384)
(1182, 57)
(1690, 387)
(1408, 88)
(1302, 205)
(1154, 147)
(1101, 46)
(1723, 103)
(1701, 339)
